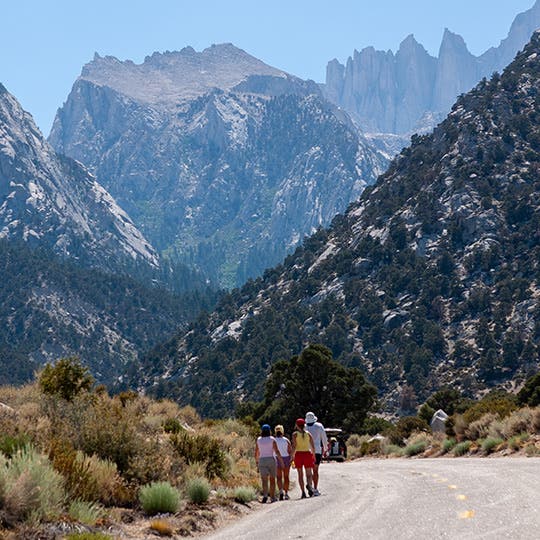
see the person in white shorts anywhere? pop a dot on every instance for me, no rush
(321, 446)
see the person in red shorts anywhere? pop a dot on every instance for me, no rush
(303, 454)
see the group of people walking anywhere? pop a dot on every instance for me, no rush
(276, 454)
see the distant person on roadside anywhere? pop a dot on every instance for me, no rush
(266, 452)
(303, 455)
(285, 449)
(320, 440)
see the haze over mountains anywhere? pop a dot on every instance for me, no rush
(411, 91)
(224, 162)
(430, 279)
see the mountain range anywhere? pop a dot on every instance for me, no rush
(411, 91)
(223, 162)
(431, 278)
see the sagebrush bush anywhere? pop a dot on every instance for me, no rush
(412, 449)
(198, 490)
(461, 448)
(479, 429)
(518, 422)
(159, 497)
(393, 450)
(536, 420)
(88, 513)
(516, 442)
(490, 444)
(448, 444)
(33, 490)
(244, 494)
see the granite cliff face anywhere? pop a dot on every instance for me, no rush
(410, 91)
(51, 201)
(431, 278)
(223, 162)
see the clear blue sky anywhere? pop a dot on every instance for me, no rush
(46, 42)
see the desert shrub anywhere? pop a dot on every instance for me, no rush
(201, 449)
(88, 536)
(518, 422)
(489, 444)
(516, 442)
(405, 427)
(414, 448)
(448, 444)
(161, 527)
(172, 425)
(33, 490)
(393, 450)
(198, 490)
(370, 448)
(536, 420)
(531, 450)
(88, 513)
(188, 415)
(425, 412)
(480, 428)
(461, 448)
(10, 444)
(67, 378)
(496, 402)
(244, 495)
(159, 497)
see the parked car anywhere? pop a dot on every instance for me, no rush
(337, 447)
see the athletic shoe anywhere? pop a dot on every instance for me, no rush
(264, 499)
(281, 496)
(286, 497)
(273, 500)
(303, 496)
(316, 493)
(310, 490)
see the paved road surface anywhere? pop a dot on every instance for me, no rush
(394, 499)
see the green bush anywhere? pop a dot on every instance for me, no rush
(88, 513)
(198, 490)
(67, 378)
(244, 494)
(201, 449)
(159, 497)
(415, 448)
(448, 444)
(515, 442)
(33, 490)
(10, 444)
(530, 393)
(496, 402)
(489, 444)
(461, 448)
(172, 425)
(405, 427)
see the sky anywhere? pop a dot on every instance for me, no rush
(45, 43)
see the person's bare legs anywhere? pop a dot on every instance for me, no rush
(265, 485)
(280, 477)
(272, 487)
(301, 479)
(309, 478)
(286, 479)
(315, 476)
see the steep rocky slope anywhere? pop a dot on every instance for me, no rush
(411, 91)
(52, 201)
(223, 162)
(430, 279)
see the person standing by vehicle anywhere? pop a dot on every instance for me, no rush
(266, 452)
(303, 454)
(285, 449)
(320, 440)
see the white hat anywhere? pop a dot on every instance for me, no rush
(310, 418)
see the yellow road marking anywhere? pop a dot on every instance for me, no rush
(461, 497)
(452, 486)
(468, 514)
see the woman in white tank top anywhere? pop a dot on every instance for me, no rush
(266, 451)
(285, 450)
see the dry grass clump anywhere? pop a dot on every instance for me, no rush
(518, 422)
(161, 527)
(479, 429)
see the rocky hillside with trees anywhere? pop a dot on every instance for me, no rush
(430, 279)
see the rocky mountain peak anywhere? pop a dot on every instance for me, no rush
(169, 77)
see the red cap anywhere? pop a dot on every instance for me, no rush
(300, 422)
